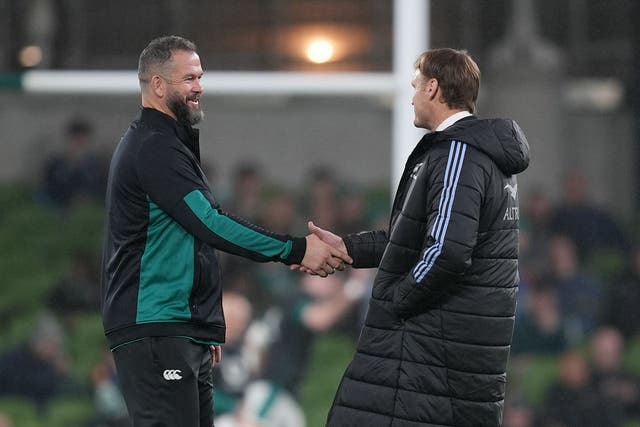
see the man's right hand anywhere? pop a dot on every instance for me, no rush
(321, 258)
(328, 237)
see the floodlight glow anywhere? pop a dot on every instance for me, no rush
(30, 56)
(320, 51)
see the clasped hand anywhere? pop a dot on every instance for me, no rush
(325, 253)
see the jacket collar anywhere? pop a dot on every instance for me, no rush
(442, 135)
(452, 119)
(185, 133)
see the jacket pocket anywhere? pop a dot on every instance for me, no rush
(205, 301)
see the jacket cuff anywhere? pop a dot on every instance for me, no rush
(298, 249)
(348, 243)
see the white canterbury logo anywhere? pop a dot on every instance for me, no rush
(172, 374)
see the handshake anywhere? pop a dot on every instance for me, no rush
(326, 253)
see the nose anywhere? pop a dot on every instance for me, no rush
(197, 87)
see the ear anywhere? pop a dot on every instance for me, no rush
(157, 86)
(432, 88)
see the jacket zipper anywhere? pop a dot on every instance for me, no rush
(196, 278)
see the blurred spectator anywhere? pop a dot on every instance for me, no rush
(246, 196)
(623, 299)
(322, 198)
(579, 293)
(539, 328)
(279, 213)
(536, 232)
(352, 213)
(239, 275)
(76, 172)
(620, 388)
(110, 408)
(518, 414)
(5, 421)
(241, 401)
(573, 401)
(280, 216)
(39, 369)
(246, 201)
(322, 305)
(77, 292)
(591, 228)
(264, 405)
(231, 377)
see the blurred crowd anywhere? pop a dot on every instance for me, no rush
(577, 309)
(274, 315)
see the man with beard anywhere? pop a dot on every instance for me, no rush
(161, 292)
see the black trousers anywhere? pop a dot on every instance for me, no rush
(166, 382)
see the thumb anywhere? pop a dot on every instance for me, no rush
(315, 229)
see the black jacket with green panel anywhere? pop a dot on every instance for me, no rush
(160, 274)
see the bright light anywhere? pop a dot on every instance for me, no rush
(320, 51)
(30, 56)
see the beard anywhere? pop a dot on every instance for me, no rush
(185, 114)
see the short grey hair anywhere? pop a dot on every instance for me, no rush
(158, 52)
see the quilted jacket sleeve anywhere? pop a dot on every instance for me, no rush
(366, 248)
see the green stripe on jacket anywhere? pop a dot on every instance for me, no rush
(234, 232)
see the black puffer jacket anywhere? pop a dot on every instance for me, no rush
(435, 344)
